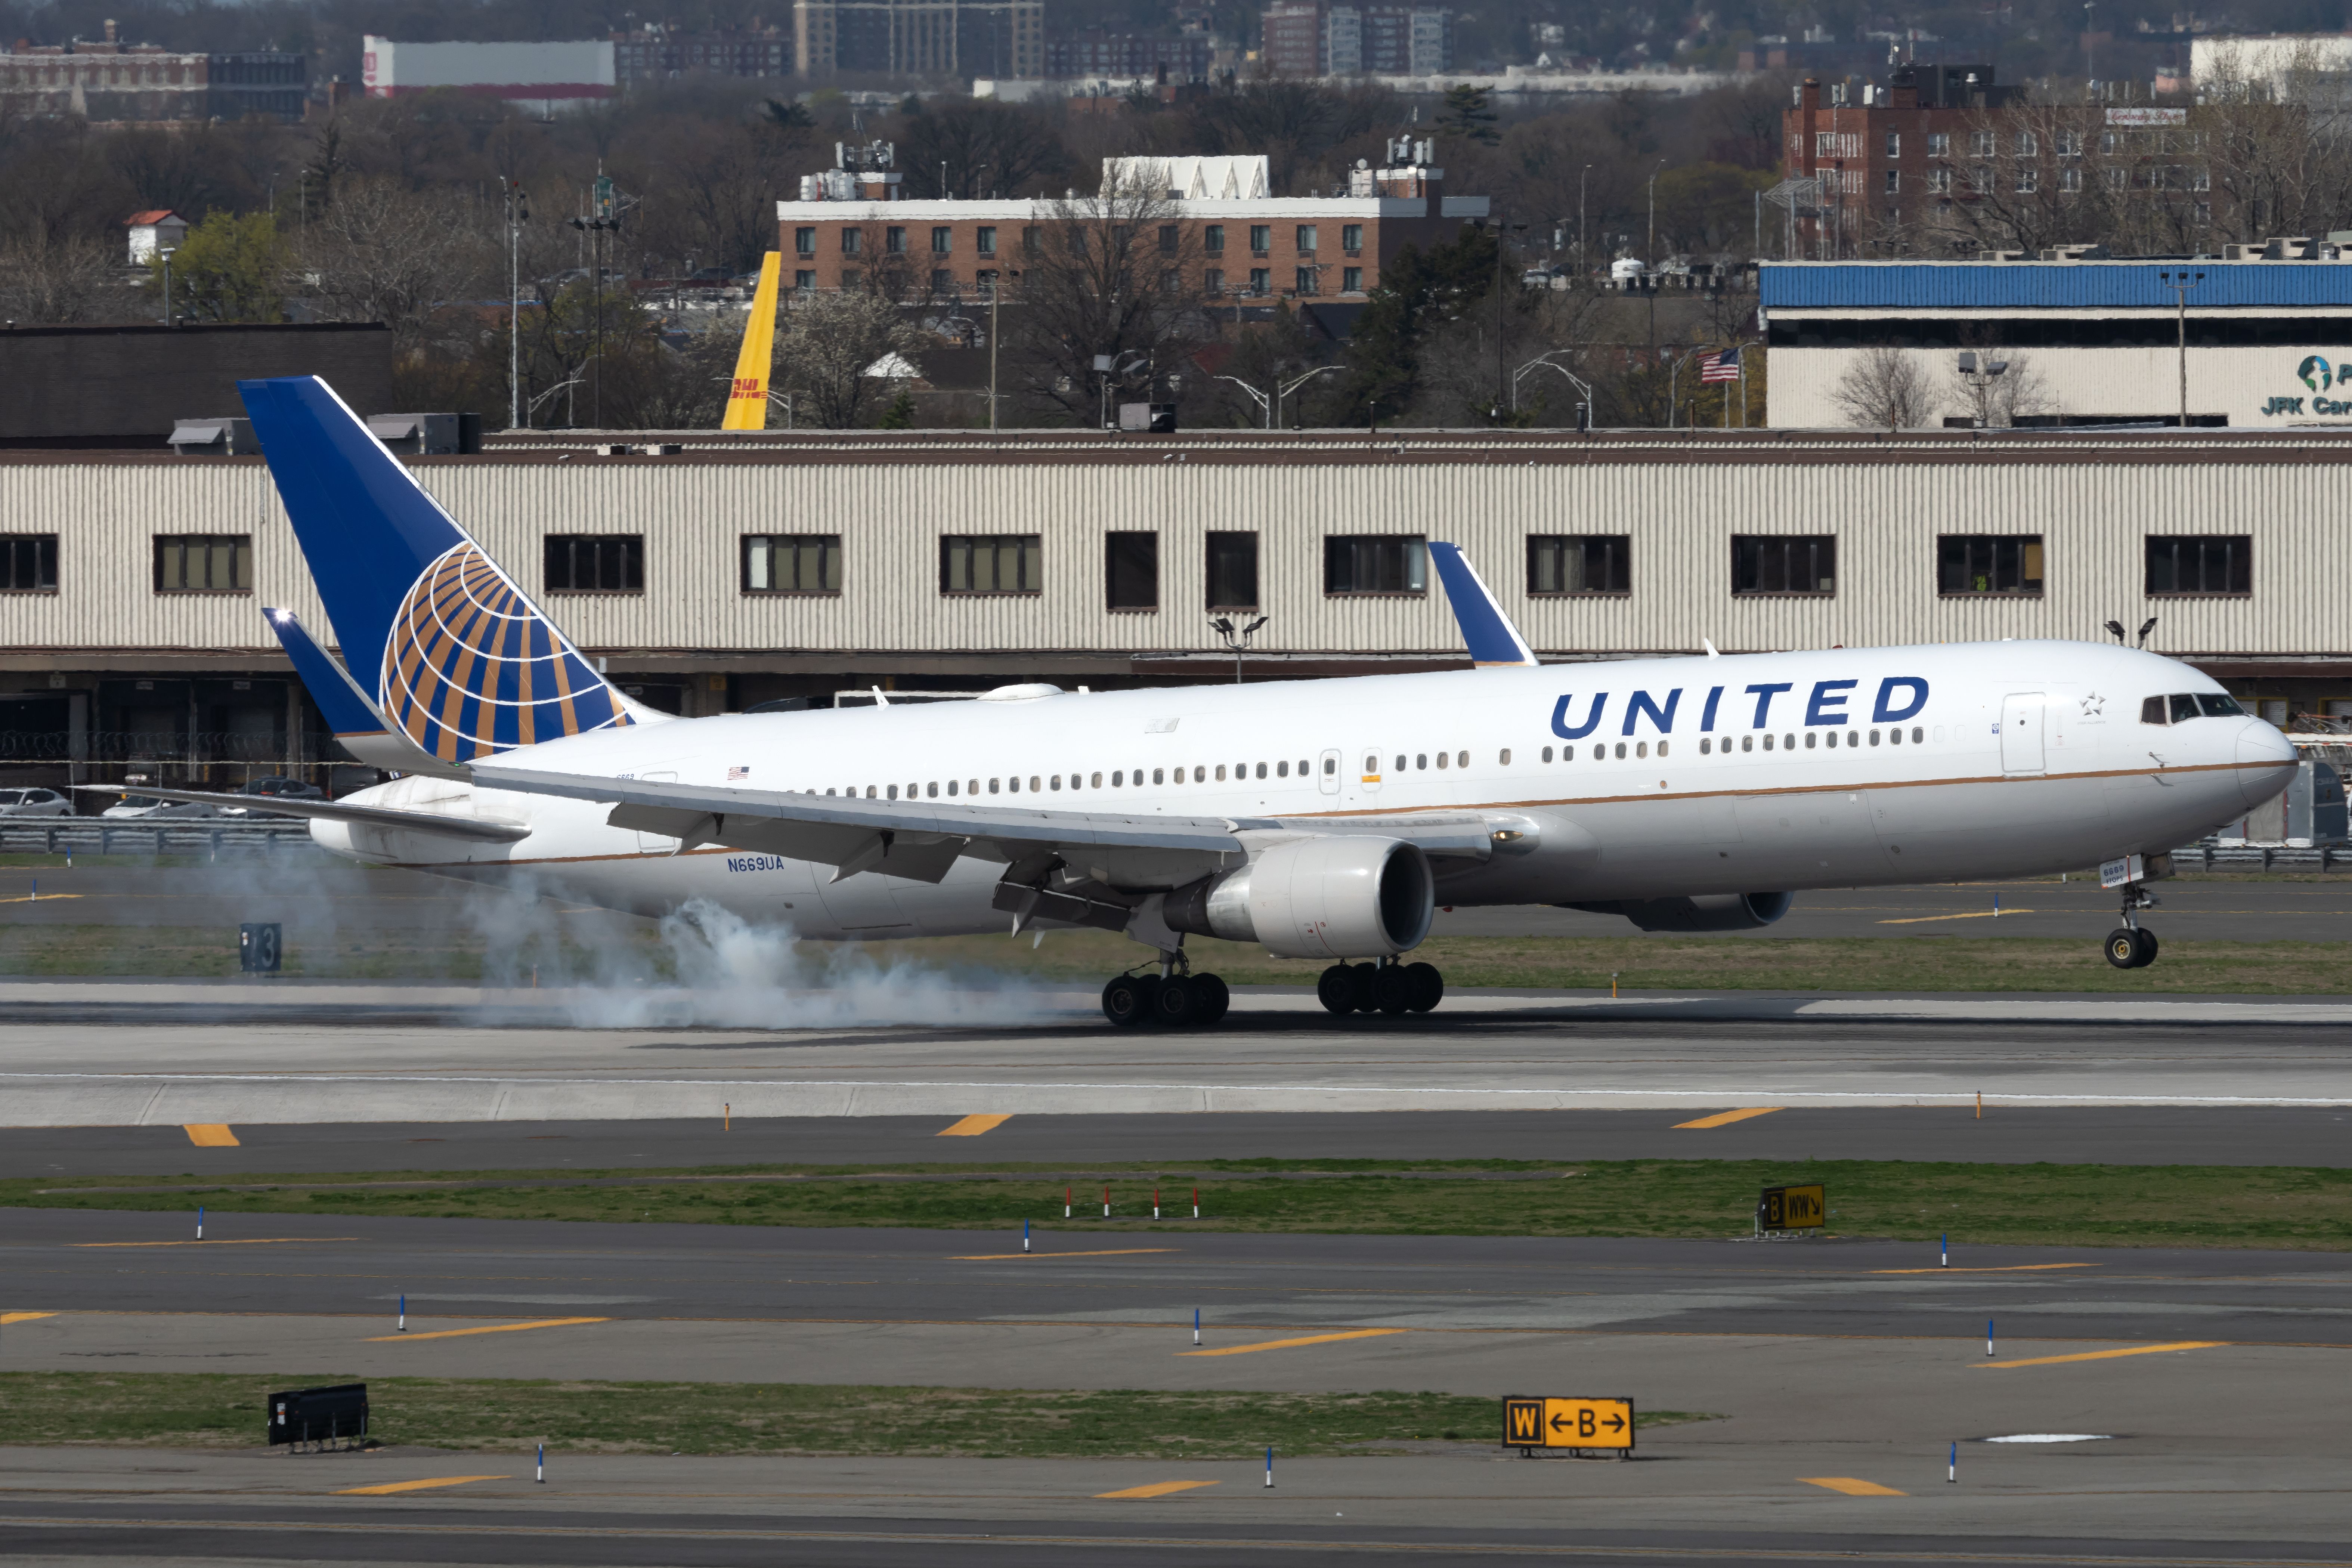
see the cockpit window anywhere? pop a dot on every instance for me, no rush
(2151, 711)
(2184, 706)
(2218, 705)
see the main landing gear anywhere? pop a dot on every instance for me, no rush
(1174, 998)
(1385, 988)
(2132, 945)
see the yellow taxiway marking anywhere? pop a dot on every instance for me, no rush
(240, 1241)
(1851, 1486)
(1969, 915)
(1107, 1252)
(2000, 1269)
(28, 898)
(211, 1135)
(1724, 1118)
(1287, 1345)
(973, 1126)
(2108, 1355)
(1157, 1489)
(491, 1329)
(22, 1316)
(388, 1488)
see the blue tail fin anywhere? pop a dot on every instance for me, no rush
(445, 645)
(1493, 639)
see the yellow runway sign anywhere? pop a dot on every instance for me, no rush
(1569, 1423)
(1792, 1208)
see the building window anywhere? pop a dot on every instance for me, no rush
(942, 240)
(1303, 280)
(989, 564)
(2070, 179)
(1939, 144)
(203, 564)
(1980, 143)
(1233, 571)
(1351, 238)
(893, 240)
(1078, 242)
(792, 563)
(1981, 177)
(28, 563)
(1580, 564)
(1306, 238)
(1131, 571)
(1261, 280)
(1167, 239)
(985, 240)
(804, 241)
(2200, 563)
(1375, 563)
(1784, 564)
(851, 278)
(1213, 280)
(853, 241)
(1032, 240)
(1895, 144)
(1261, 239)
(2069, 144)
(1351, 279)
(1989, 563)
(2026, 144)
(1893, 183)
(985, 280)
(595, 563)
(2201, 179)
(1940, 181)
(2029, 179)
(804, 281)
(942, 281)
(1213, 239)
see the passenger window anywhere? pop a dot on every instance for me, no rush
(1282, 769)
(931, 792)
(1747, 743)
(1200, 775)
(2183, 706)
(1788, 742)
(992, 787)
(1095, 782)
(952, 789)
(1893, 737)
(1221, 772)
(894, 792)
(1662, 748)
(1033, 784)
(1812, 739)
(1873, 737)
(1705, 746)
(1642, 748)
(1421, 760)
(1463, 760)
(1331, 764)
(1546, 753)
(1915, 734)
(1159, 775)
(1441, 759)
(972, 788)
(1012, 785)
(1261, 769)
(2217, 705)
(2152, 711)
(1058, 781)
(1767, 742)
(1302, 767)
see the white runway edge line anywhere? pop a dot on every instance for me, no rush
(107, 1099)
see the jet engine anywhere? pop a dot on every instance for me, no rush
(1335, 897)
(1703, 912)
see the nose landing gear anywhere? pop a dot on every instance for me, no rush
(2132, 945)
(1386, 987)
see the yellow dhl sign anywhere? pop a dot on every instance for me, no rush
(1792, 1208)
(1575, 1422)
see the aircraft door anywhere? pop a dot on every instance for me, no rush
(1327, 772)
(2021, 732)
(1368, 777)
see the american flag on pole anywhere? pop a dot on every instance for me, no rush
(1719, 366)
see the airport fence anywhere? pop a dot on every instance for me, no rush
(85, 835)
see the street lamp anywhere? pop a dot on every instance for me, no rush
(517, 214)
(1545, 362)
(165, 252)
(560, 385)
(1263, 402)
(1581, 264)
(2181, 282)
(1978, 378)
(1237, 640)
(1285, 389)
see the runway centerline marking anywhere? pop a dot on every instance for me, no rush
(1852, 1486)
(1724, 1118)
(388, 1488)
(1157, 1489)
(973, 1126)
(1969, 915)
(211, 1135)
(1289, 1345)
(6, 1318)
(1105, 1252)
(237, 1241)
(1997, 1268)
(2107, 1355)
(490, 1329)
(31, 899)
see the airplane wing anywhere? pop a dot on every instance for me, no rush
(481, 827)
(1494, 641)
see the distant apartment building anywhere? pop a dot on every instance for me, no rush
(1093, 53)
(1317, 38)
(111, 80)
(661, 53)
(990, 39)
(849, 230)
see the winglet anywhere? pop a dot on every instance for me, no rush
(1494, 641)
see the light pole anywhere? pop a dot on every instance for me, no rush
(165, 252)
(2090, 73)
(1650, 246)
(2180, 283)
(603, 220)
(1673, 377)
(1545, 362)
(1978, 378)
(560, 385)
(1264, 403)
(1502, 361)
(1237, 640)
(1285, 390)
(1581, 263)
(517, 214)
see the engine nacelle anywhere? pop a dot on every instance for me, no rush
(1703, 912)
(1336, 897)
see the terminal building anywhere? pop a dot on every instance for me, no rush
(795, 566)
(2268, 343)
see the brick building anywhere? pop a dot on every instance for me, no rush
(1318, 38)
(1887, 162)
(849, 230)
(660, 53)
(111, 80)
(1094, 53)
(993, 39)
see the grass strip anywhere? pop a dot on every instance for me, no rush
(228, 1410)
(2049, 1205)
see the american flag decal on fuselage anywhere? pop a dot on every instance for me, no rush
(472, 667)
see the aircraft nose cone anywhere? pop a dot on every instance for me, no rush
(2265, 762)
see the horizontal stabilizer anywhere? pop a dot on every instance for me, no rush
(495, 832)
(349, 712)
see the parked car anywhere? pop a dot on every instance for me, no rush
(34, 803)
(275, 786)
(145, 806)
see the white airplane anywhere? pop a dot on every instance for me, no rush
(1321, 819)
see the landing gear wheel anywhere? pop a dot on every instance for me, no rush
(2147, 947)
(1365, 977)
(2129, 948)
(1428, 986)
(1393, 989)
(1211, 997)
(1178, 1004)
(1131, 999)
(1336, 988)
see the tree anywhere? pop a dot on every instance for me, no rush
(58, 281)
(1884, 389)
(900, 415)
(384, 253)
(1467, 113)
(971, 148)
(228, 268)
(1418, 292)
(1295, 124)
(1106, 279)
(827, 343)
(1999, 402)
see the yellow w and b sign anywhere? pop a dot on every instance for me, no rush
(1568, 1423)
(1792, 1208)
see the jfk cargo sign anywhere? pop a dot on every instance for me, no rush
(2319, 377)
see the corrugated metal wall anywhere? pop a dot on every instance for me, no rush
(1886, 510)
(2059, 285)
